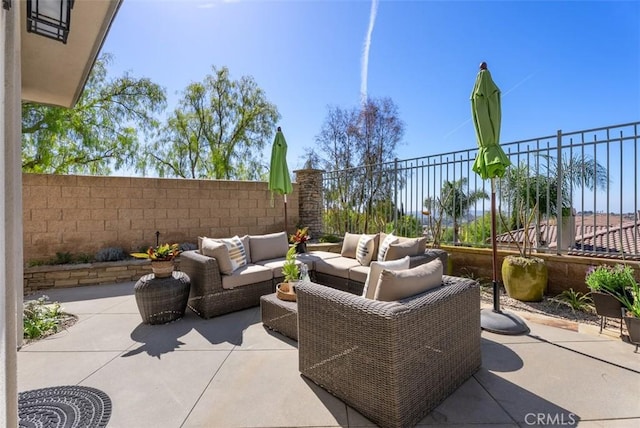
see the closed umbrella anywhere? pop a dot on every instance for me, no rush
(491, 163)
(279, 179)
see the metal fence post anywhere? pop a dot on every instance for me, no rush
(395, 193)
(560, 181)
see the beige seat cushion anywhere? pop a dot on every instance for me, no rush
(371, 281)
(350, 245)
(269, 246)
(400, 284)
(338, 266)
(246, 275)
(276, 265)
(359, 273)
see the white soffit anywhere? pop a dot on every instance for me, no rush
(54, 73)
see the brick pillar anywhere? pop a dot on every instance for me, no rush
(310, 200)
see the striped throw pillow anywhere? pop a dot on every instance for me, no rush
(384, 246)
(237, 253)
(364, 251)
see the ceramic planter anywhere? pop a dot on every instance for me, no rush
(525, 279)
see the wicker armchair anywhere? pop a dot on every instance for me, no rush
(394, 362)
(207, 298)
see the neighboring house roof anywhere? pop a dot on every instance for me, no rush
(590, 240)
(55, 73)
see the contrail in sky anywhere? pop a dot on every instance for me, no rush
(453, 131)
(365, 52)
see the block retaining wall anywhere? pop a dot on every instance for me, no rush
(83, 214)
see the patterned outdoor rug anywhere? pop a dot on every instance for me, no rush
(64, 407)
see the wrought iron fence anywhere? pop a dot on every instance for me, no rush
(588, 179)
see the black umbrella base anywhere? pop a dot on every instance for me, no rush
(501, 322)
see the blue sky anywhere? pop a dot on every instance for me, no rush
(560, 65)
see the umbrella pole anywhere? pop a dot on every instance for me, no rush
(494, 248)
(495, 320)
(285, 213)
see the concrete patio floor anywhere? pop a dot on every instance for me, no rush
(230, 371)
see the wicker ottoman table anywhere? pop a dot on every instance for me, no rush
(161, 300)
(280, 315)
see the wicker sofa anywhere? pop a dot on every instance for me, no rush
(401, 359)
(214, 293)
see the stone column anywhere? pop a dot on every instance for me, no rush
(10, 212)
(310, 200)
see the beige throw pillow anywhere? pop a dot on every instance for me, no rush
(350, 245)
(398, 250)
(236, 252)
(218, 250)
(269, 246)
(375, 268)
(400, 284)
(364, 252)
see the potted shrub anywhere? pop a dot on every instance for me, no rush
(617, 288)
(291, 271)
(606, 284)
(525, 276)
(162, 259)
(300, 239)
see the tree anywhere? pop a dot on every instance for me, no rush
(455, 202)
(357, 146)
(523, 184)
(99, 134)
(218, 130)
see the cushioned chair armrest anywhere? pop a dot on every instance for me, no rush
(203, 272)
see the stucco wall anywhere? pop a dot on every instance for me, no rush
(82, 214)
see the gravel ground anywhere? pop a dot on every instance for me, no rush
(548, 306)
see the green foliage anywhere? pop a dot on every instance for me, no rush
(163, 252)
(479, 230)
(407, 225)
(218, 130)
(610, 279)
(290, 269)
(41, 317)
(62, 258)
(111, 254)
(577, 300)
(455, 200)
(329, 238)
(84, 257)
(99, 134)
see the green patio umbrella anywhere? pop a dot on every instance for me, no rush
(279, 179)
(491, 163)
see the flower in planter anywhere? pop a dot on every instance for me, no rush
(301, 236)
(166, 252)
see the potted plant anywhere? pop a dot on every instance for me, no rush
(612, 288)
(631, 302)
(606, 283)
(291, 271)
(525, 276)
(300, 239)
(162, 258)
